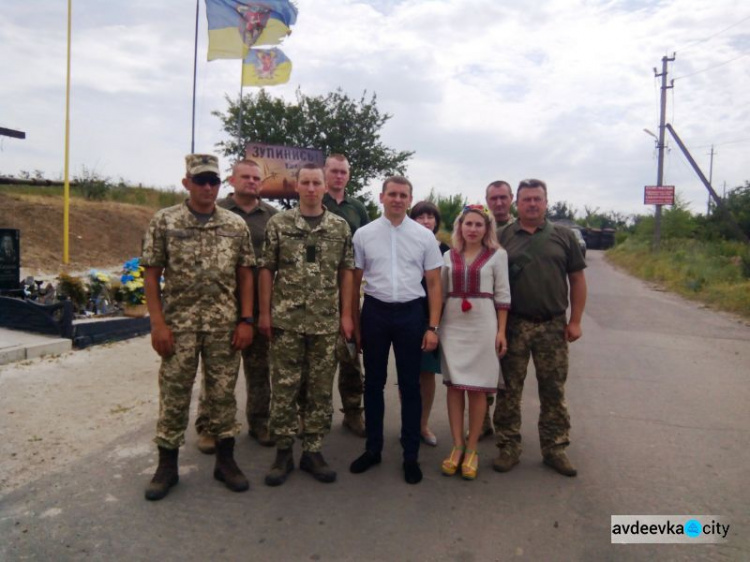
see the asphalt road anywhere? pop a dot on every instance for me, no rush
(658, 394)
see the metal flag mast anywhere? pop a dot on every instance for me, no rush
(195, 72)
(66, 189)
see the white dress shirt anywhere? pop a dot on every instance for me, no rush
(395, 258)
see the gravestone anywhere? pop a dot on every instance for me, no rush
(10, 259)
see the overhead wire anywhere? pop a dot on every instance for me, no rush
(699, 41)
(711, 67)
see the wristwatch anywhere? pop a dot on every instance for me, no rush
(247, 320)
(432, 329)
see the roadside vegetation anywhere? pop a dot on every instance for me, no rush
(91, 186)
(700, 257)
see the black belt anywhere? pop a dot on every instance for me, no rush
(392, 305)
(537, 319)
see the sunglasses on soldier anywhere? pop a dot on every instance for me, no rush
(202, 179)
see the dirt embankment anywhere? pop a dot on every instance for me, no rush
(102, 234)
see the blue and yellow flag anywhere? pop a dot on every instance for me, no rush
(265, 67)
(234, 26)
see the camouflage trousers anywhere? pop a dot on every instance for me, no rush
(351, 381)
(257, 383)
(545, 342)
(301, 363)
(176, 377)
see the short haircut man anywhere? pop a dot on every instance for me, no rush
(393, 254)
(305, 299)
(351, 209)
(499, 198)
(543, 258)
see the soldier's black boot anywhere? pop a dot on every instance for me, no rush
(226, 470)
(166, 475)
(281, 467)
(315, 464)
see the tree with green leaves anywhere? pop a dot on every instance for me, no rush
(561, 210)
(450, 207)
(333, 123)
(737, 202)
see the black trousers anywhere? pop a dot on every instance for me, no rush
(401, 325)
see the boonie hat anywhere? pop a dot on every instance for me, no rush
(202, 164)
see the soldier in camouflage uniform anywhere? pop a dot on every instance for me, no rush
(542, 258)
(499, 198)
(302, 309)
(246, 202)
(355, 214)
(206, 257)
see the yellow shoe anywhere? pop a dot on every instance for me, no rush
(451, 464)
(470, 466)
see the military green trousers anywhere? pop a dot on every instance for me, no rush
(176, 377)
(544, 342)
(301, 361)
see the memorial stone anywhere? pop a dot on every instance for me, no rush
(10, 259)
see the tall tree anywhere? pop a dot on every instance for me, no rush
(333, 123)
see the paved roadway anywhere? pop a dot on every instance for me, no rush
(658, 393)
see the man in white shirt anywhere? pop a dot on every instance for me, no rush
(393, 253)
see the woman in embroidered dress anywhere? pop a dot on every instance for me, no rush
(472, 330)
(428, 215)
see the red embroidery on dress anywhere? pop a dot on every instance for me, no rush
(466, 281)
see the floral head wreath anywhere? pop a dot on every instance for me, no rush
(476, 207)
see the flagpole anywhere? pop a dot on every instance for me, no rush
(66, 189)
(239, 120)
(195, 73)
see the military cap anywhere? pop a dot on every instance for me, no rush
(201, 164)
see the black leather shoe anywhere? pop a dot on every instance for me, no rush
(366, 461)
(412, 472)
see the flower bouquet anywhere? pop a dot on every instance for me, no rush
(99, 292)
(132, 289)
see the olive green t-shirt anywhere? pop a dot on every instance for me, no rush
(351, 210)
(541, 288)
(256, 219)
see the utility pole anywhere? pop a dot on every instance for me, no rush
(710, 179)
(662, 124)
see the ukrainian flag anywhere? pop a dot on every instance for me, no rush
(234, 26)
(266, 67)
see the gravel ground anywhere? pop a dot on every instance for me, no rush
(54, 410)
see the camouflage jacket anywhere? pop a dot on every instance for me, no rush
(306, 262)
(200, 263)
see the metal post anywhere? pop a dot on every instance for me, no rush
(195, 73)
(662, 124)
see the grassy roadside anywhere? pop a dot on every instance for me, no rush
(103, 191)
(715, 273)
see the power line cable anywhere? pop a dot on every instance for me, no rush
(711, 67)
(699, 41)
(720, 144)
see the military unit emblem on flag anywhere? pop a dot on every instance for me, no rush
(236, 27)
(265, 67)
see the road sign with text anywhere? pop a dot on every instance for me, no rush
(658, 195)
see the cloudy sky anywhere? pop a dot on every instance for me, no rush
(480, 89)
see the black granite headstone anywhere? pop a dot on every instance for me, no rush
(10, 259)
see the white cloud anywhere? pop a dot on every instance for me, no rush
(481, 90)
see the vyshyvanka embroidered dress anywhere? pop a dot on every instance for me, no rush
(472, 294)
